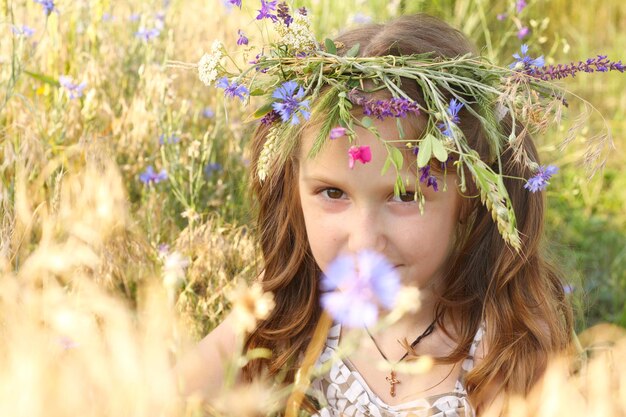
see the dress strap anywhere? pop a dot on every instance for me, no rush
(468, 364)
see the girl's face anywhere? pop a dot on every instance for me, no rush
(347, 210)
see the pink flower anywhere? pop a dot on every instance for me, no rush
(359, 153)
(337, 132)
(523, 32)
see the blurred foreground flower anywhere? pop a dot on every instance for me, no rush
(247, 400)
(356, 286)
(23, 31)
(250, 304)
(72, 89)
(48, 6)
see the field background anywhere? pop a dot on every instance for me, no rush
(82, 235)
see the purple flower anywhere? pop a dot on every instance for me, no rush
(291, 104)
(283, 14)
(48, 6)
(337, 132)
(167, 140)
(427, 178)
(207, 113)
(525, 63)
(73, 90)
(523, 32)
(355, 286)
(210, 168)
(149, 177)
(540, 180)
(147, 35)
(501, 16)
(134, 17)
(453, 112)
(361, 18)
(270, 117)
(107, 17)
(265, 12)
(242, 38)
(303, 11)
(23, 31)
(394, 107)
(598, 64)
(520, 5)
(235, 3)
(233, 90)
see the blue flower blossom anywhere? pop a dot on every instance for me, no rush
(541, 179)
(73, 89)
(356, 286)
(210, 168)
(265, 12)
(233, 90)
(23, 31)
(149, 176)
(291, 105)
(48, 6)
(208, 113)
(167, 140)
(524, 62)
(243, 40)
(147, 35)
(453, 112)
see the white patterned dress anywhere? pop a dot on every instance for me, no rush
(343, 392)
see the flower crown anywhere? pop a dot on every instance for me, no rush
(299, 77)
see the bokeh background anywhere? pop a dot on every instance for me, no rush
(124, 209)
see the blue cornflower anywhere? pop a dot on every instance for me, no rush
(166, 140)
(265, 12)
(208, 113)
(233, 90)
(524, 62)
(210, 168)
(540, 180)
(355, 286)
(73, 90)
(48, 6)
(242, 38)
(292, 104)
(23, 31)
(147, 34)
(149, 177)
(453, 112)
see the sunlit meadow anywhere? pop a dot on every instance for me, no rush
(126, 221)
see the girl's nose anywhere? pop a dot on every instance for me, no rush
(366, 231)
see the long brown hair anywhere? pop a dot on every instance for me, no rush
(520, 297)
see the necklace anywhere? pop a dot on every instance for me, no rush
(393, 381)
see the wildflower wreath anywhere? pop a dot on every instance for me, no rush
(299, 76)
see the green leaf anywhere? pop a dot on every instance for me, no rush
(367, 122)
(386, 165)
(440, 151)
(426, 151)
(331, 48)
(263, 110)
(42, 77)
(354, 51)
(396, 157)
(257, 92)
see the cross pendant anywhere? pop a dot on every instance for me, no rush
(392, 381)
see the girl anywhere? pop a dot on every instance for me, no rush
(490, 315)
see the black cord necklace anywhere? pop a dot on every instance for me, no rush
(393, 381)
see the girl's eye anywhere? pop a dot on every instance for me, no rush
(407, 197)
(332, 193)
